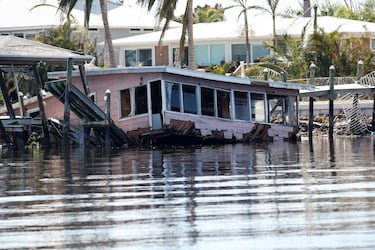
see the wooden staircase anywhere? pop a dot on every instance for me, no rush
(89, 112)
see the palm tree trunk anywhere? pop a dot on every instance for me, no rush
(247, 40)
(107, 33)
(306, 8)
(274, 30)
(190, 36)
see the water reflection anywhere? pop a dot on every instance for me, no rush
(280, 195)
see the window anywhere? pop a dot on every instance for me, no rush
(241, 102)
(140, 57)
(173, 96)
(223, 104)
(190, 99)
(281, 109)
(141, 106)
(217, 54)
(145, 57)
(185, 61)
(373, 44)
(201, 55)
(30, 36)
(208, 101)
(259, 51)
(139, 95)
(210, 54)
(258, 107)
(125, 103)
(130, 58)
(239, 52)
(18, 35)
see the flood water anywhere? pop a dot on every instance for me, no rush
(276, 196)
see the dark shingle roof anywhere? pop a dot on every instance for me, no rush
(19, 51)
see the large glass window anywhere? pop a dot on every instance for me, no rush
(217, 54)
(190, 99)
(281, 109)
(145, 57)
(241, 102)
(239, 52)
(259, 51)
(125, 103)
(173, 96)
(209, 54)
(140, 57)
(130, 58)
(201, 55)
(141, 106)
(258, 107)
(208, 101)
(223, 104)
(185, 60)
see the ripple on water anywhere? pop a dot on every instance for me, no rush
(226, 197)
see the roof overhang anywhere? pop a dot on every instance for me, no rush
(324, 91)
(190, 73)
(19, 51)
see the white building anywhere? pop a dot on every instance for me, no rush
(220, 42)
(21, 18)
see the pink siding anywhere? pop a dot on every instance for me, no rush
(115, 82)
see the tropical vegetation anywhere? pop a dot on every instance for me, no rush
(68, 5)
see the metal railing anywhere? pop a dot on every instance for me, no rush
(355, 120)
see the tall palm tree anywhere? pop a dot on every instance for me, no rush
(244, 8)
(271, 9)
(165, 11)
(70, 4)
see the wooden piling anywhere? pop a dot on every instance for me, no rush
(68, 87)
(265, 74)
(331, 98)
(311, 116)
(108, 119)
(311, 103)
(84, 79)
(42, 112)
(6, 98)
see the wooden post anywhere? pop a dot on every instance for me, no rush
(331, 98)
(359, 69)
(283, 76)
(4, 91)
(83, 79)
(108, 119)
(5, 136)
(68, 88)
(311, 102)
(265, 74)
(42, 111)
(311, 116)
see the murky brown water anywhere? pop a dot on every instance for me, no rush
(280, 196)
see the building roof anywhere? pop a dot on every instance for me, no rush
(188, 73)
(260, 29)
(19, 51)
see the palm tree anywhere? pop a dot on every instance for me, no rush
(208, 14)
(244, 8)
(165, 11)
(70, 4)
(272, 6)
